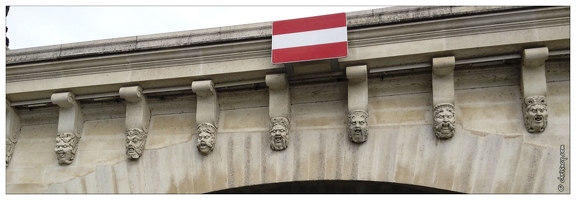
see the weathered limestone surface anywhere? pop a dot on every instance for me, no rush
(377, 38)
(490, 154)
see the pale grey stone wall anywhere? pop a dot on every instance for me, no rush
(491, 151)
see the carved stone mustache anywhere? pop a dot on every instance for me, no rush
(444, 124)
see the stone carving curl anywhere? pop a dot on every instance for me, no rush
(444, 120)
(206, 138)
(135, 142)
(358, 126)
(9, 150)
(279, 127)
(12, 132)
(66, 145)
(535, 114)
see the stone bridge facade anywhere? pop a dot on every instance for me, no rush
(460, 99)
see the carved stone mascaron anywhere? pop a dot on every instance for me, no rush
(358, 126)
(535, 114)
(206, 138)
(66, 146)
(279, 128)
(135, 142)
(444, 120)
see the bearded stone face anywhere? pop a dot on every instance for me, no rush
(444, 121)
(279, 137)
(65, 148)
(206, 138)
(135, 142)
(535, 114)
(358, 126)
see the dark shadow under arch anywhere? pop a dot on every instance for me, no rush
(334, 187)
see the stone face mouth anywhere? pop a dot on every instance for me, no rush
(277, 138)
(538, 118)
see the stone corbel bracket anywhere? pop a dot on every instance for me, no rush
(207, 111)
(357, 103)
(534, 89)
(70, 123)
(13, 126)
(279, 111)
(137, 120)
(443, 96)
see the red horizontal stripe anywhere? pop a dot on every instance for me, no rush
(309, 23)
(307, 53)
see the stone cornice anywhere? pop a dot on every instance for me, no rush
(258, 48)
(229, 33)
(246, 48)
(464, 25)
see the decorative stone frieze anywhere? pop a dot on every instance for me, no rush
(357, 103)
(70, 123)
(207, 110)
(137, 120)
(13, 126)
(444, 120)
(279, 111)
(443, 96)
(206, 138)
(358, 126)
(534, 89)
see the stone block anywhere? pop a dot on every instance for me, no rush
(33, 54)
(248, 119)
(357, 87)
(98, 47)
(27, 188)
(279, 94)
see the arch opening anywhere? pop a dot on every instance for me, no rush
(334, 187)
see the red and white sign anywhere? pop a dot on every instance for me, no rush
(311, 38)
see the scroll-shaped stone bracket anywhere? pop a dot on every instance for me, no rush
(13, 127)
(534, 89)
(70, 123)
(443, 96)
(357, 103)
(279, 110)
(137, 120)
(207, 111)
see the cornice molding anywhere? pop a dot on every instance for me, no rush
(225, 34)
(260, 48)
(466, 25)
(220, 61)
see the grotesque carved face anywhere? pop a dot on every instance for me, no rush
(66, 147)
(279, 133)
(135, 142)
(535, 114)
(358, 126)
(206, 138)
(444, 120)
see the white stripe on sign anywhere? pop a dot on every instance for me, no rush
(308, 38)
